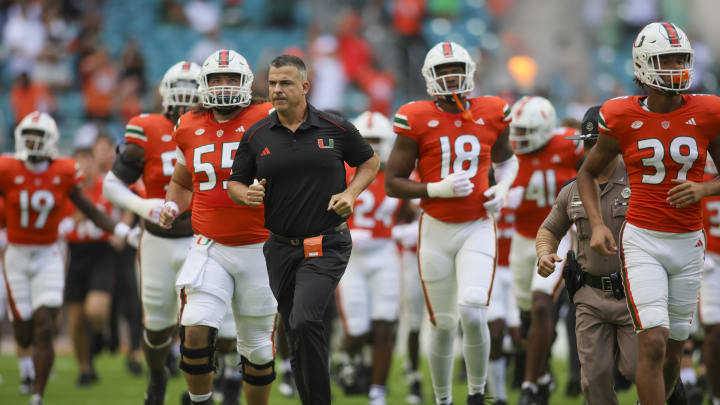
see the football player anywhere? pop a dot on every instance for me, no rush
(225, 267)
(367, 294)
(149, 153)
(503, 312)
(664, 138)
(454, 139)
(547, 161)
(36, 184)
(709, 299)
(92, 268)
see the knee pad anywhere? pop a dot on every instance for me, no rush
(208, 351)
(474, 297)
(258, 380)
(680, 330)
(446, 321)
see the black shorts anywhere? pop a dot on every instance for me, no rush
(93, 267)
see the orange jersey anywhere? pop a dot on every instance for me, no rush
(659, 148)
(505, 230)
(153, 133)
(35, 202)
(374, 211)
(447, 143)
(208, 149)
(87, 231)
(541, 175)
(711, 220)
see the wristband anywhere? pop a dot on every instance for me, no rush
(121, 230)
(433, 189)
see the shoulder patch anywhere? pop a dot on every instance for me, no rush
(401, 121)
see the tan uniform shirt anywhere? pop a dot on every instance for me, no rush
(568, 209)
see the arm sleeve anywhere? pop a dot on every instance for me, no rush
(244, 168)
(558, 221)
(356, 150)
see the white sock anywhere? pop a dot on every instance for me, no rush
(200, 397)
(440, 359)
(716, 401)
(27, 367)
(496, 378)
(545, 380)
(377, 391)
(688, 376)
(476, 345)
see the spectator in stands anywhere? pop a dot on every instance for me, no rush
(99, 81)
(23, 36)
(206, 46)
(379, 87)
(329, 80)
(27, 96)
(203, 15)
(354, 50)
(407, 16)
(133, 63)
(52, 66)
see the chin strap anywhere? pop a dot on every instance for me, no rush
(467, 114)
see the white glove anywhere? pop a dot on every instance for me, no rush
(66, 226)
(406, 234)
(133, 237)
(496, 195)
(455, 185)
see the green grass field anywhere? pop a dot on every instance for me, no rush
(117, 387)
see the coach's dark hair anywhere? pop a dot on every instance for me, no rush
(290, 60)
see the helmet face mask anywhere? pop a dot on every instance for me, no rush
(663, 58)
(532, 125)
(234, 91)
(36, 138)
(448, 69)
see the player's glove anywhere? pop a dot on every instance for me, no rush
(133, 237)
(496, 195)
(455, 185)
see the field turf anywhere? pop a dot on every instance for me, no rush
(117, 387)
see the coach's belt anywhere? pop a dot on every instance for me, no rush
(299, 241)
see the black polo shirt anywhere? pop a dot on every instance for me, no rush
(303, 169)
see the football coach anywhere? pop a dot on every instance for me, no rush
(298, 154)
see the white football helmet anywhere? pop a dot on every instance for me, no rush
(375, 126)
(179, 86)
(442, 54)
(655, 40)
(43, 145)
(225, 61)
(533, 121)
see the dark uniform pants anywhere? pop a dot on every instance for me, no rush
(602, 322)
(304, 288)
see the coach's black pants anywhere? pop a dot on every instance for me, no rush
(303, 288)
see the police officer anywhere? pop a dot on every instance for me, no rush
(298, 154)
(602, 318)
